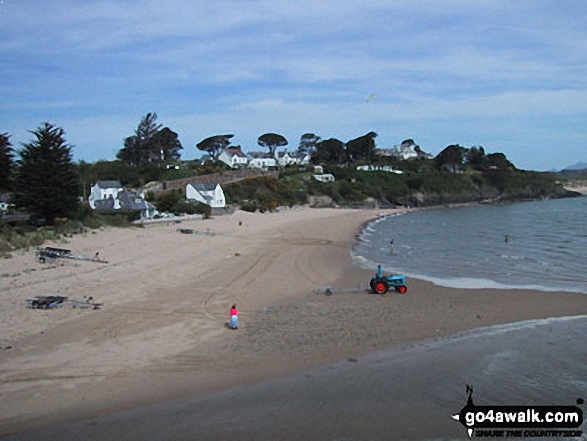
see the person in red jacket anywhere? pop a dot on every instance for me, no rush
(233, 317)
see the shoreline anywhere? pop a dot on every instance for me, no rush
(98, 362)
(454, 281)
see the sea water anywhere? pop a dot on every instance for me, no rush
(539, 245)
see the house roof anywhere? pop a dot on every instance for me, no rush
(108, 184)
(204, 186)
(128, 202)
(235, 151)
(260, 155)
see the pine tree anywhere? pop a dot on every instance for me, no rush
(150, 144)
(47, 183)
(6, 162)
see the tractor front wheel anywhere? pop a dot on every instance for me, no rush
(402, 289)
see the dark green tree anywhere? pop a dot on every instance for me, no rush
(271, 141)
(47, 183)
(6, 162)
(329, 151)
(138, 148)
(498, 161)
(151, 143)
(451, 157)
(361, 148)
(476, 158)
(166, 143)
(214, 145)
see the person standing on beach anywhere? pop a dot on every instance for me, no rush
(233, 317)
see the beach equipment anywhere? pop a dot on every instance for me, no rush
(50, 254)
(51, 302)
(46, 302)
(380, 283)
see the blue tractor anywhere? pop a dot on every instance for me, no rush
(380, 284)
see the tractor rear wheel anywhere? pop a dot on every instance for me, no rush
(380, 286)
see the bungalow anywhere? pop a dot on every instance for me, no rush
(209, 193)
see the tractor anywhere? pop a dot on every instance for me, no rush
(380, 284)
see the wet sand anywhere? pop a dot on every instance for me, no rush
(162, 334)
(407, 393)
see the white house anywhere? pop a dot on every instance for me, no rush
(284, 158)
(406, 150)
(261, 160)
(209, 193)
(234, 157)
(104, 190)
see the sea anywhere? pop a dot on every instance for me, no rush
(539, 245)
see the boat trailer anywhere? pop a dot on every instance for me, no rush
(50, 254)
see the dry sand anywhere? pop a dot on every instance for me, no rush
(162, 333)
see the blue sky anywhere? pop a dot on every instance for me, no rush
(508, 75)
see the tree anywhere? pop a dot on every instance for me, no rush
(308, 143)
(475, 157)
(499, 161)
(329, 151)
(150, 144)
(47, 184)
(6, 162)
(166, 142)
(271, 141)
(452, 156)
(214, 145)
(361, 148)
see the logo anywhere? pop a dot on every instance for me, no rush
(520, 421)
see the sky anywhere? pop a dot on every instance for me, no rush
(510, 76)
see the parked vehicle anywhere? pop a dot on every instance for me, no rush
(380, 283)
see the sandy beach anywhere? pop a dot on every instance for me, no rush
(161, 333)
